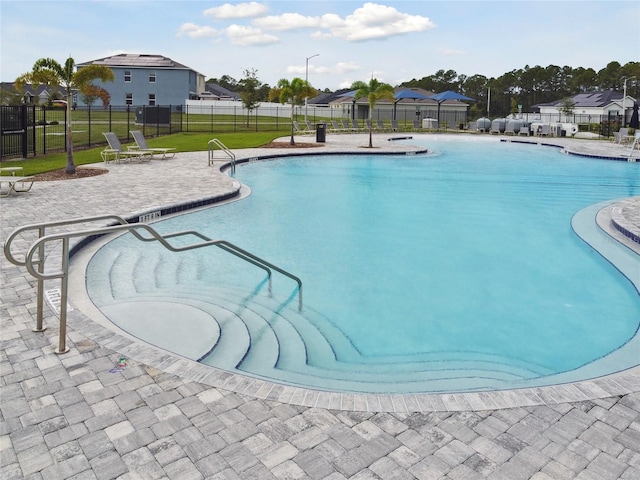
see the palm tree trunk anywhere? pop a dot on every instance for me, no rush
(71, 167)
(292, 142)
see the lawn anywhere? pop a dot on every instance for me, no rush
(183, 142)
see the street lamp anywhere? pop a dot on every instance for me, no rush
(306, 79)
(624, 98)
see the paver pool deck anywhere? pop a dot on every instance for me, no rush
(81, 415)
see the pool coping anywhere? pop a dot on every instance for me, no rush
(610, 385)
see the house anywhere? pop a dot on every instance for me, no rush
(214, 91)
(600, 103)
(31, 95)
(142, 79)
(413, 105)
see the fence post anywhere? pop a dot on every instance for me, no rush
(89, 127)
(44, 129)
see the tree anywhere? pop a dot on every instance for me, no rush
(293, 91)
(92, 92)
(47, 71)
(567, 106)
(374, 91)
(250, 93)
(225, 81)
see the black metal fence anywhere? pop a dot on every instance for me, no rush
(29, 130)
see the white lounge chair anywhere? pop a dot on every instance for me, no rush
(509, 129)
(545, 130)
(524, 130)
(622, 136)
(300, 130)
(115, 152)
(16, 183)
(141, 144)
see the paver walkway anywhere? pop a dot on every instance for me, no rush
(91, 413)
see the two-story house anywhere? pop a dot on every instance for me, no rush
(142, 79)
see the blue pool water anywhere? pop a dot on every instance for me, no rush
(454, 271)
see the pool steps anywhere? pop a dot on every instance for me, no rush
(252, 323)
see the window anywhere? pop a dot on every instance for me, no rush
(152, 77)
(127, 75)
(129, 99)
(152, 99)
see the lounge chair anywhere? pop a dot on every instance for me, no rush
(336, 127)
(622, 136)
(346, 127)
(509, 129)
(300, 130)
(115, 152)
(394, 125)
(141, 144)
(416, 126)
(356, 126)
(310, 127)
(545, 130)
(524, 130)
(16, 183)
(380, 126)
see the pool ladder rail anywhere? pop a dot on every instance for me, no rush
(211, 147)
(35, 266)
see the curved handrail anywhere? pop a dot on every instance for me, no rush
(223, 148)
(223, 244)
(42, 226)
(39, 246)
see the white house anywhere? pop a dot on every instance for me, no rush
(602, 103)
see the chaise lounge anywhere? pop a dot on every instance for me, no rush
(115, 152)
(141, 144)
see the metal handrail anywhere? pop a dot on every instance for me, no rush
(41, 227)
(223, 148)
(38, 248)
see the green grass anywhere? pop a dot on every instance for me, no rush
(183, 142)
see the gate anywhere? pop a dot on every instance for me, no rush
(17, 132)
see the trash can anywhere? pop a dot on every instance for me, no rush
(321, 132)
(563, 133)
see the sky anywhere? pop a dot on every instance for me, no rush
(331, 43)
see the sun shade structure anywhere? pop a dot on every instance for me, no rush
(449, 95)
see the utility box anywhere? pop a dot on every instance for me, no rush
(321, 132)
(153, 115)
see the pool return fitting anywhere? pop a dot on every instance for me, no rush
(34, 259)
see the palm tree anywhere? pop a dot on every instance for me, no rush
(374, 91)
(46, 71)
(293, 91)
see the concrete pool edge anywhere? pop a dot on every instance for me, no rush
(615, 384)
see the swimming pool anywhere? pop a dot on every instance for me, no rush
(450, 272)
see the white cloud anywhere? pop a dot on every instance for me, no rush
(373, 21)
(244, 36)
(287, 21)
(238, 10)
(196, 31)
(369, 22)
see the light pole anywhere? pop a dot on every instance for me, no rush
(306, 79)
